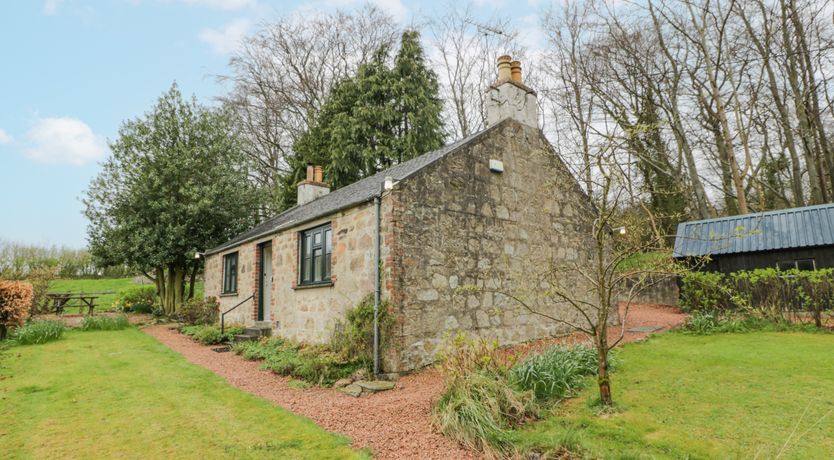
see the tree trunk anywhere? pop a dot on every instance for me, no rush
(603, 379)
(779, 101)
(192, 280)
(171, 285)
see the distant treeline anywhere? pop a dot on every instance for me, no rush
(18, 261)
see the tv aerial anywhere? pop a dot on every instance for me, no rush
(485, 29)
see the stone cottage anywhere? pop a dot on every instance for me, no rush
(450, 232)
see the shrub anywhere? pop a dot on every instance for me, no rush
(210, 334)
(38, 331)
(764, 293)
(200, 311)
(353, 338)
(713, 323)
(15, 302)
(557, 373)
(316, 364)
(704, 291)
(41, 279)
(104, 323)
(479, 405)
(138, 299)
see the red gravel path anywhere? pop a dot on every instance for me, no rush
(394, 424)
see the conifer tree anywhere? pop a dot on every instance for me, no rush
(380, 117)
(419, 128)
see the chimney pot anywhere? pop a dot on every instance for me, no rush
(504, 73)
(515, 69)
(319, 177)
(311, 173)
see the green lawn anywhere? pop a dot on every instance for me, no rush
(122, 394)
(720, 396)
(105, 302)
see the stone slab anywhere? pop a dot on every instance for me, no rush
(374, 386)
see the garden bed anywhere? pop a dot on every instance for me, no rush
(394, 424)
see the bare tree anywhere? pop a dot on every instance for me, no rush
(282, 75)
(464, 48)
(615, 237)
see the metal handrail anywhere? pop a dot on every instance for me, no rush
(223, 315)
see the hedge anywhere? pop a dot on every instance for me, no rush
(766, 292)
(15, 302)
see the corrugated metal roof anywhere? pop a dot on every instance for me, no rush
(358, 192)
(764, 231)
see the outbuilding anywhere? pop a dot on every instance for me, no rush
(801, 238)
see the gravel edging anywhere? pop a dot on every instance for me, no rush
(394, 424)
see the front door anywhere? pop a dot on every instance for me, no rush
(265, 287)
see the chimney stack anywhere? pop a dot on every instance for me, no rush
(508, 97)
(313, 186)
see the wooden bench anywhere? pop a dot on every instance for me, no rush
(63, 300)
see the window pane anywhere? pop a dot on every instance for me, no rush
(328, 244)
(305, 274)
(805, 264)
(327, 267)
(317, 238)
(308, 244)
(785, 265)
(317, 264)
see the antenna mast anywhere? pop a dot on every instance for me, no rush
(485, 29)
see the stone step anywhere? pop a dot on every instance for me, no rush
(257, 331)
(364, 387)
(246, 337)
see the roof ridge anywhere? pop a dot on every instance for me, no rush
(761, 213)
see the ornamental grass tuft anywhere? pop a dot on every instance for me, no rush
(38, 331)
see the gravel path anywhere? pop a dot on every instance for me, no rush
(394, 424)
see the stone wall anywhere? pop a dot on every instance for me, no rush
(297, 312)
(465, 238)
(662, 292)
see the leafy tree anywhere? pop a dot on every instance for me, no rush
(381, 117)
(175, 183)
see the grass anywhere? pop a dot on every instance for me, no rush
(122, 394)
(719, 396)
(642, 260)
(105, 302)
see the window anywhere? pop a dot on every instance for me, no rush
(230, 273)
(806, 264)
(784, 265)
(801, 264)
(315, 248)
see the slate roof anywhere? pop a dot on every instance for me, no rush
(764, 231)
(358, 192)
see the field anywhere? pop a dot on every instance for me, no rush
(122, 394)
(753, 395)
(104, 303)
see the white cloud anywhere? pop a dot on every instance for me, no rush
(5, 138)
(50, 7)
(63, 140)
(223, 4)
(228, 38)
(393, 7)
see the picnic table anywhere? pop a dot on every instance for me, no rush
(62, 300)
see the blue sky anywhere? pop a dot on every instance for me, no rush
(73, 70)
